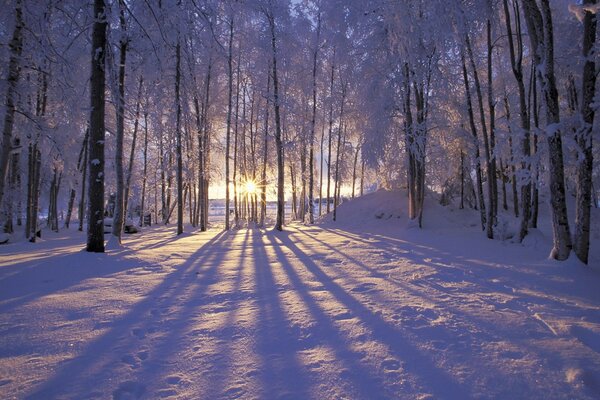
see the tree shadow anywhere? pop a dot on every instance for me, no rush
(97, 362)
(422, 367)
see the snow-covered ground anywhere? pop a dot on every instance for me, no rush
(363, 308)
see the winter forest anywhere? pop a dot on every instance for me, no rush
(265, 199)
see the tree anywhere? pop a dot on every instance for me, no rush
(585, 160)
(14, 70)
(540, 28)
(95, 232)
(120, 212)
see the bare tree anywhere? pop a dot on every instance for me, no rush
(14, 70)
(540, 28)
(95, 232)
(581, 243)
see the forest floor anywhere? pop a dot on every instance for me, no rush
(366, 307)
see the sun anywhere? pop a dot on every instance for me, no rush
(250, 187)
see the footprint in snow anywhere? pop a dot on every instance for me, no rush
(343, 316)
(129, 360)
(332, 261)
(363, 288)
(138, 332)
(129, 390)
(173, 380)
(390, 365)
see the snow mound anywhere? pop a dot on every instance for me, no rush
(382, 206)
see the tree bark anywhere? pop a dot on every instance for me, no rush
(14, 71)
(490, 219)
(516, 61)
(229, 111)
(178, 151)
(136, 124)
(119, 215)
(475, 142)
(539, 25)
(584, 135)
(311, 213)
(278, 135)
(144, 170)
(95, 234)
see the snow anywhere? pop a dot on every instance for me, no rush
(364, 307)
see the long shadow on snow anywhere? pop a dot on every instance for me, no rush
(362, 379)
(422, 367)
(282, 375)
(54, 273)
(505, 279)
(181, 335)
(95, 366)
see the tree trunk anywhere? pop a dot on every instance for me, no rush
(278, 136)
(513, 167)
(80, 167)
(475, 142)
(178, 151)
(490, 219)
(263, 193)
(14, 70)
(311, 183)
(95, 234)
(229, 111)
(354, 170)
(336, 189)
(585, 163)
(539, 24)
(145, 170)
(516, 57)
(119, 215)
(136, 123)
(492, 115)
(330, 133)
(462, 180)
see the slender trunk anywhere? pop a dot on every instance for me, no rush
(278, 135)
(321, 171)
(503, 177)
(475, 142)
(311, 183)
(462, 180)
(132, 151)
(119, 214)
(336, 189)
(516, 60)
(490, 220)
(145, 170)
(95, 234)
(585, 164)
(236, 215)
(80, 166)
(229, 112)
(14, 71)
(513, 167)
(82, 211)
(204, 152)
(330, 133)
(539, 24)
(180, 197)
(492, 116)
(362, 176)
(263, 193)
(536, 123)
(354, 170)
